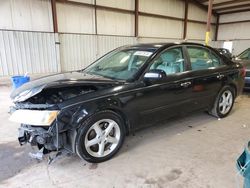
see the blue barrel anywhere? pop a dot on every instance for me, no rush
(17, 81)
(243, 165)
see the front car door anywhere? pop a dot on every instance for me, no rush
(162, 99)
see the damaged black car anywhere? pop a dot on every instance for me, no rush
(89, 112)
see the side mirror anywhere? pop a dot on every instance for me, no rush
(155, 75)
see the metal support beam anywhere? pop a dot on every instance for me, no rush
(185, 20)
(136, 18)
(217, 27)
(209, 15)
(95, 19)
(54, 16)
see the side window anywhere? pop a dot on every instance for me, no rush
(201, 58)
(245, 55)
(170, 61)
(215, 60)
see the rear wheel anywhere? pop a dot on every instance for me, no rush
(100, 137)
(224, 102)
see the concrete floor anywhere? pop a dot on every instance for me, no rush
(197, 151)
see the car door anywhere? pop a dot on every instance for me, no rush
(208, 73)
(170, 96)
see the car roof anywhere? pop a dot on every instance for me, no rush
(160, 45)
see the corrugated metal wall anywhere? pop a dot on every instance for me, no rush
(78, 51)
(79, 42)
(238, 33)
(75, 19)
(31, 15)
(31, 52)
(196, 31)
(234, 31)
(161, 27)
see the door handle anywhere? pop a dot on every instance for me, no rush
(185, 84)
(220, 76)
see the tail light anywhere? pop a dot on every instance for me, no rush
(243, 72)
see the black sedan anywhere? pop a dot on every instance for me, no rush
(244, 59)
(90, 111)
(225, 52)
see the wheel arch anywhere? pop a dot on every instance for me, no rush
(234, 88)
(123, 116)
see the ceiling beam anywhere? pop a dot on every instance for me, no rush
(233, 7)
(229, 3)
(203, 1)
(234, 11)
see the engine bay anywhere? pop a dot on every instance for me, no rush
(58, 95)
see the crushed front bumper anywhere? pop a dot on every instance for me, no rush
(37, 136)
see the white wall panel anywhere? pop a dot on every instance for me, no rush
(75, 19)
(108, 43)
(32, 15)
(22, 52)
(173, 8)
(197, 13)
(234, 31)
(217, 44)
(113, 23)
(235, 17)
(127, 4)
(198, 31)
(158, 27)
(240, 45)
(155, 40)
(78, 51)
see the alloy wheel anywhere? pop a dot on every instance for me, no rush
(225, 102)
(102, 138)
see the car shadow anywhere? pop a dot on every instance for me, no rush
(168, 128)
(174, 126)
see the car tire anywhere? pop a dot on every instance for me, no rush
(100, 137)
(224, 102)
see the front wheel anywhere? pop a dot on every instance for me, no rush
(224, 102)
(100, 137)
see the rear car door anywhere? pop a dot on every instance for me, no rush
(208, 74)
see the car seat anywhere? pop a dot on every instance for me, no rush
(168, 63)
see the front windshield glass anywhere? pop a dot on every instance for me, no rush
(121, 64)
(245, 55)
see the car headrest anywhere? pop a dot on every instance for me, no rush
(169, 57)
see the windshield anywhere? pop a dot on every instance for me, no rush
(245, 55)
(121, 64)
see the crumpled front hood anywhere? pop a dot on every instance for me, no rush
(58, 80)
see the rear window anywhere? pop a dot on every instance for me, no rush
(202, 58)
